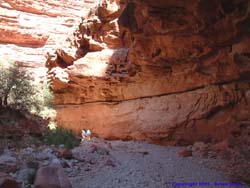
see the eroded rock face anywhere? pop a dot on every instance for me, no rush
(31, 29)
(204, 114)
(162, 71)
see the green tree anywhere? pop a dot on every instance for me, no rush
(19, 91)
(16, 88)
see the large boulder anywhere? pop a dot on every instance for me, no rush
(8, 182)
(52, 176)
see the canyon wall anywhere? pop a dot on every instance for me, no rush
(171, 72)
(31, 29)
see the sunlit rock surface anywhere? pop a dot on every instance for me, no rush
(31, 29)
(162, 71)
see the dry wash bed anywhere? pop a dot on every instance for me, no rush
(118, 164)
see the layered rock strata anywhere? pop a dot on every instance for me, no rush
(31, 29)
(171, 72)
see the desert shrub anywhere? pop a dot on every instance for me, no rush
(44, 97)
(16, 89)
(19, 91)
(59, 136)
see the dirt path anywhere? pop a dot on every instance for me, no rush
(141, 165)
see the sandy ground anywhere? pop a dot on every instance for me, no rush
(116, 164)
(141, 165)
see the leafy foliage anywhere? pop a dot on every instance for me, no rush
(16, 89)
(19, 91)
(44, 107)
(60, 136)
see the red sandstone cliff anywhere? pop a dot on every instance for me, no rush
(31, 29)
(162, 71)
(171, 72)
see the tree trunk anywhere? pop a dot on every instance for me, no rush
(5, 101)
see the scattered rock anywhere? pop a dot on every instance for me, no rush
(199, 146)
(32, 164)
(28, 150)
(185, 153)
(52, 176)
(99, 149)
(110, 162)
(45, 155)
(55, 162)
(8, 163)
(65, 153)
(141, 152)
(200, 149)
(92, 161)
(91, 152)
(26, 176)
(221, 146)
(66, 164)
(61, 146)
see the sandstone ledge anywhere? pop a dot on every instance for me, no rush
(202, 114)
